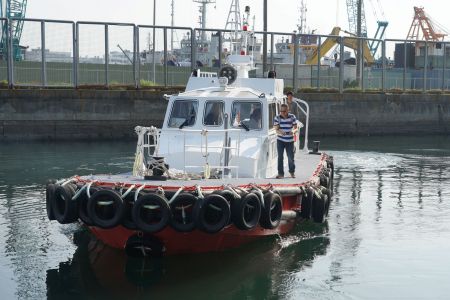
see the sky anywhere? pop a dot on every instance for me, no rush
(282, 14)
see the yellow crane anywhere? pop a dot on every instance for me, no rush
(330, 42)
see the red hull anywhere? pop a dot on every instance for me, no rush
(193, 242)
(197, 241)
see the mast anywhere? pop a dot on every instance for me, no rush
(234, 24)
(202, 9)
(172, 23)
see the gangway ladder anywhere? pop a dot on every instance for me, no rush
(204, 150)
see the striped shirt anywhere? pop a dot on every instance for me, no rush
(286, 125)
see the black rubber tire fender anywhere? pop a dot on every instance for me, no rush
(49, 195)
(306, 205)
(128, 203)
(64, 208)
(105, 208)
(319, 208)
(151, 213)
(272, 211)
(83, 200)
(212, 213)
(182, 208)
(245, 212)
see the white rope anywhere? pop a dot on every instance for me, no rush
(79, 192)
(136, 193)
(128, 191)
(176, 195)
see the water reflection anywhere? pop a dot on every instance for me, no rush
(261, 270)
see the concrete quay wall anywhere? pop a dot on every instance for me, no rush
(47, 114)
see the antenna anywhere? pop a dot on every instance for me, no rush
(234, 24)
(202, 10)
(302, 26)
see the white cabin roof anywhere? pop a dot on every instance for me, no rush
(242, 87)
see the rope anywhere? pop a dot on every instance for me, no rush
(128, 191)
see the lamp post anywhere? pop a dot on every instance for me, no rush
(154, 20)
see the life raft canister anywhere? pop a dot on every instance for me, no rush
(272, 211)
(245, 212)
(105, 208)
(64, 208)
(151, 213)
(212, 213)
(182, 208)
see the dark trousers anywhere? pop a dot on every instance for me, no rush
(289, 146)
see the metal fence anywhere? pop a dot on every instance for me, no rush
(55, 53)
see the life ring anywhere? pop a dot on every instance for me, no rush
(83, 200)
(105, 208)
(212, 213)
(49, 195)
(151, 213)
(63, 207)
(319, 208)
(272, 211)
(245, 212)
(182, 208)
(306, 205)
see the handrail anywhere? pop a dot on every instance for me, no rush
(204, 132)
(306, 113)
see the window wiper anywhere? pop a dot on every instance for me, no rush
(244, 126)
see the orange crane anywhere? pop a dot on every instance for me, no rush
(422, 22)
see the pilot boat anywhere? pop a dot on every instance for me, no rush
(206, 180)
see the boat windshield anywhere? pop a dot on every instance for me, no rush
(184, 113)
(247, 114)
(213, 113)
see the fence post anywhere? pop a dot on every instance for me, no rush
(341, 64)
(75, 36)
(106, 55)
(383, 66)
(165, 56)
(444, 65)
(193, 50)
(220, 48)
(136, 58)
(318, 62)
(271, 51)
(44, 61)
(10, 55)
(405, 62)
(294, 71)
(363, 83)
(425, 66)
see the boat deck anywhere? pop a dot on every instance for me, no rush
(306, 167)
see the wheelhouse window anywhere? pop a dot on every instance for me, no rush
(213, 113)
(246, 114)
(184, 113)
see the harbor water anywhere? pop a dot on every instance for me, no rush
(387, 235)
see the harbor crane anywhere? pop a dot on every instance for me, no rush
(423, 23)
(352, 12)
(14, 11)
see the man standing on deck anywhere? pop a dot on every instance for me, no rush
(285, 125)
